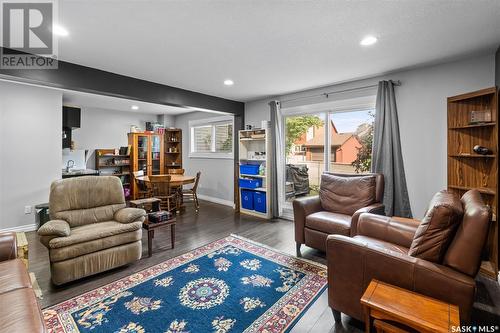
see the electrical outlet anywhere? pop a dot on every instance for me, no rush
(27, 209)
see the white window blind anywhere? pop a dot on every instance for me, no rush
(212, 138)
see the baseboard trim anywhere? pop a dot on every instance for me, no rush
(27, 227)
(216, 200)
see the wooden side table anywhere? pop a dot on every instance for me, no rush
(383, 303)
(22, 247)
(150, 227)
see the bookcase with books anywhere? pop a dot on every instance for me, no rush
(473, 157)
(115, 162)
(173, 149)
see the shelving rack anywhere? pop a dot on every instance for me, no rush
(468, 170)
(173, 148)
(256, 140)
(110, 164)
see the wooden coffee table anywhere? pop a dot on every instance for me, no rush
(150, 227)
(385, 303)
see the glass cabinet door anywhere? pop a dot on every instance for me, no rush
(142, 152)
(155, 155)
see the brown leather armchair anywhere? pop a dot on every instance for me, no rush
(337, 208)
(381, 248)
(19, 311)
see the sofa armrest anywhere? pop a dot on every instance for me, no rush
(376, 208)
(129, 215)
(353, 263)
(398, 231)
(59, 228)
(8, 246)
(301, 209)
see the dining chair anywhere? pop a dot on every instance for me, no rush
(163, 191)
(175, 171)
(191, 194)
(143, 190)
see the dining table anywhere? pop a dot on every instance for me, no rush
(175, 181)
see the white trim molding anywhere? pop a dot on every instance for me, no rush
(216, 200)
(21, 228)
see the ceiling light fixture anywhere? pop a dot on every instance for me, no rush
(134, 107)
(368, 40)
(59, 30)
(228, 82)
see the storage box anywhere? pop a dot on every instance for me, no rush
(250, 183)
(259, 201)
(161, 216)
(249, 169)
(247, 199)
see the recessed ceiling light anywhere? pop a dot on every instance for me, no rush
(368, 40)
(134, 107)
(59, 30)
(228, 82)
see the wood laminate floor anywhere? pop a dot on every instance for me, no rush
(212, 223)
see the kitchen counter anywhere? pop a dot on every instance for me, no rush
(79, 173)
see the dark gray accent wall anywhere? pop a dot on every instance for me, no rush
(86, 79)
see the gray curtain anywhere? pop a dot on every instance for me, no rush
(386, 156)
(276, 160)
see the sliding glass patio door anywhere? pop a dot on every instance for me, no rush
(332, 140)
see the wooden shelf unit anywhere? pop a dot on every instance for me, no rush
(468, 170)
(173, 148)
(147, 154)
(249, 143)
(110, 164)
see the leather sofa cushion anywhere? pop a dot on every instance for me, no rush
(464, 253)
(329, 223)
(345, 195)
(91, 232)
(80, 249)
(22, 313)
(437, 228)
(8, 246)
(383, 244)
(13, 275)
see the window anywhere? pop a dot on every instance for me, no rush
(211, 138)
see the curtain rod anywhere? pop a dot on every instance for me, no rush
(396, 83)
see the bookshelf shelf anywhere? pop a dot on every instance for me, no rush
(468, 170)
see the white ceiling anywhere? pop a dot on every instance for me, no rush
(271, 47)
(86, 100)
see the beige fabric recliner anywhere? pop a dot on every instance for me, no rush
(91, 230)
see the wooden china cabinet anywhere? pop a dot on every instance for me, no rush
(147, 154)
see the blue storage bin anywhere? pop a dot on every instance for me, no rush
(247, 199)
(259, 201)
(249, 169)
(250, 183)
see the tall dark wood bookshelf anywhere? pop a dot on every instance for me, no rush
(467, 169)
(173, 148)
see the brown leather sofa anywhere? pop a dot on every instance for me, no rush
(435, 257)
(19, 311)
(337, 208)
(91, 230)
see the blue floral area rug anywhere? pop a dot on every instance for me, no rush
(231, 285)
